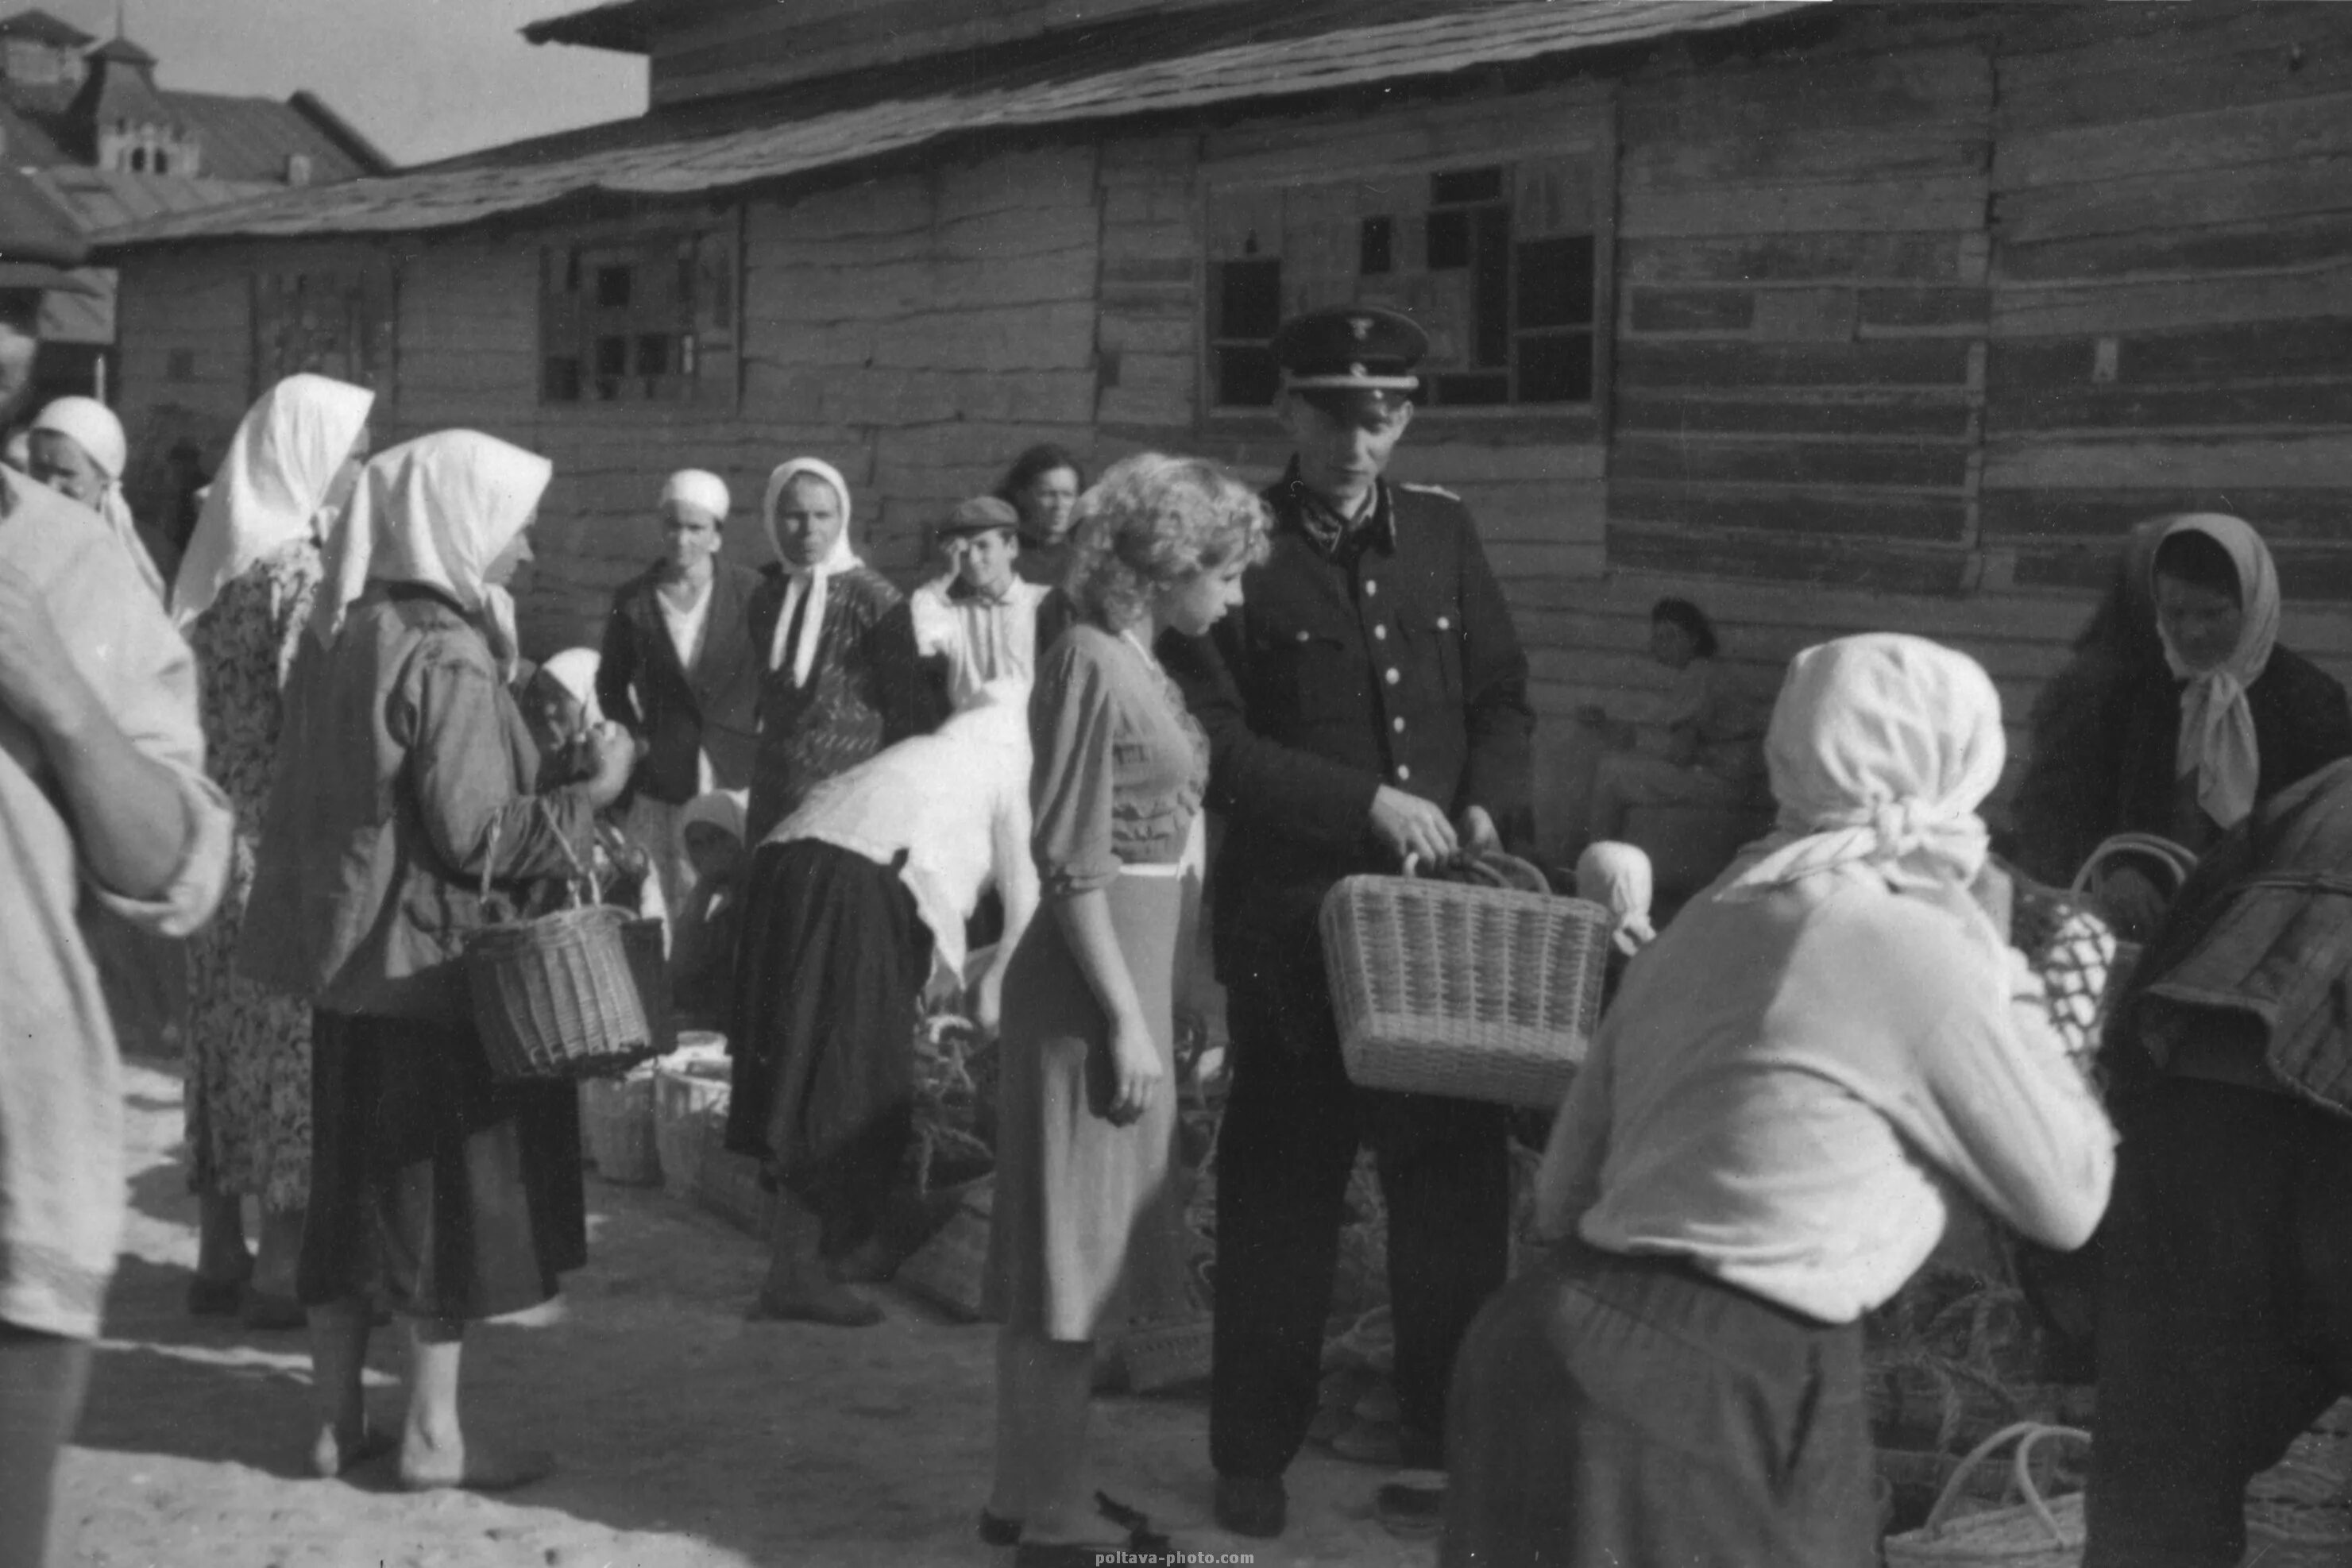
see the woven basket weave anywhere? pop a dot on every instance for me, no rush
(2033, 1533)
(1167, 1355)
(618, 1117)
(951, 1269)
(689, 1115)
(1475, 990)
(558, 996)
(2299, 1511)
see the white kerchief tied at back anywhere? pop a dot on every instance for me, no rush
(1881, 749)
(272, 485)
(700, 488)
(435, 512)
(806, 582)
(2217, 725)
(1618, 878)
(574, 669)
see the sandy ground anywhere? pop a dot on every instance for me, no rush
(686, 1439)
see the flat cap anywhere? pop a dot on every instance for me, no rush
(1364, 346)
(979, 515)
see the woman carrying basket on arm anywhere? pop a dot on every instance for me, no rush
(446, 1195)
(1755, 1153)
(1086, 1206)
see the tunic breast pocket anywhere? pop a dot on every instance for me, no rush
(1434, 640)
(1311, 670)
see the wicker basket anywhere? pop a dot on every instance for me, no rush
(1167, 1355)
(618, 1117)
(2032, 1533)
(558, 996)
(689, 1114)
(950, 1268)
(2299, 1511)
(1472, 990)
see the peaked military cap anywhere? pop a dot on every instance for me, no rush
(1369, 347)
(979, 515)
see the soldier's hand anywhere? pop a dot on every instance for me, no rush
(1477, 830)
(1412, 826)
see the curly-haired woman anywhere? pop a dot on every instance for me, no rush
(1085, 1210)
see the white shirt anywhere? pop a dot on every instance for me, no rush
(956, 802)
(686, 626)
(1783, 1087)
(983, 639)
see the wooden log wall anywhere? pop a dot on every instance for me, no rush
(1913, 317)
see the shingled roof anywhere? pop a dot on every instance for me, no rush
(698, 149)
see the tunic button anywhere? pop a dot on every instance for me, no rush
(1381, 632)
(1302, 636)
(1394, 677)
(1403, 772)
(1442, 623)
(1398, 725)
(1370, 589)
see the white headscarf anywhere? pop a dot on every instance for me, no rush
(721, 808)
(806, 581)
(697, 488)
(2217, 726)
(1617, 877)
(92, 427)
(271, 484)
(574, 669)
(1881, 749)
(435, 511)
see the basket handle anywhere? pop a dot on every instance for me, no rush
(1490, 867)
(579, 873)
(2027, 1434)
(2178, 860)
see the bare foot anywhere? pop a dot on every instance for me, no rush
(337, 1449)
(469, 1466)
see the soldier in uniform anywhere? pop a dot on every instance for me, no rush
(1368, 701)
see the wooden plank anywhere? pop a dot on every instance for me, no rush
(1794, 559)
(2102, 518)
(2317, 462)
(1880, 413)
(2290, 188)
(2305, 574)
(1819, 88)
(2278, 407)
(1960, 145)
(1515, 558)
(1945, 204)
(2171, 142)
(1423, 460)
(1929, 362)
(2119, 68)
(1691, 309)
(2194, 250)
(1793, 258)
(1718, 461)
(2315, 347)
(1845, 514)
(2109, 307)
(1922, 309)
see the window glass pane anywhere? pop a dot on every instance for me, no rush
(612, 356)
(1246, 378)
(561, 381)
(1491, 286)
(652, 353)
(1449, 239)
(1556, 367)
(1555, 282)
(1375, 246)
(612, 288)
(1466, 185)
(1249, 298)
(1461, 391)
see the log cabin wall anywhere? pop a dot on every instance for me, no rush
(1912, 317)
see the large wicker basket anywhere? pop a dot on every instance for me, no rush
(617, 1114)
(1467, 989)
(2032, 1533)
(558, 996)
(2299, 1511)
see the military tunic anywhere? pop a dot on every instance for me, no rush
(1387, 659)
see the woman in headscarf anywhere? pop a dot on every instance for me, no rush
(703, 933)
(448, 1195)
(77, 447)
(1755, 1153)
(245, 593)
(837, 642)
(560, 704)
(2217, 716)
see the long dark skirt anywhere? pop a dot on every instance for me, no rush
(435, 1188)
(1612, 1411)
(829, 973)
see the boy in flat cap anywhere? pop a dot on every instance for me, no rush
(1367, 703)
(982, 618)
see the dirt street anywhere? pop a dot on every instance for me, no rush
(686, 1439)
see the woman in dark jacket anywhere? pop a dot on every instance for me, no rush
(2175, 724)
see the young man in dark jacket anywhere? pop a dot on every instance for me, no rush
(1367, 703)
